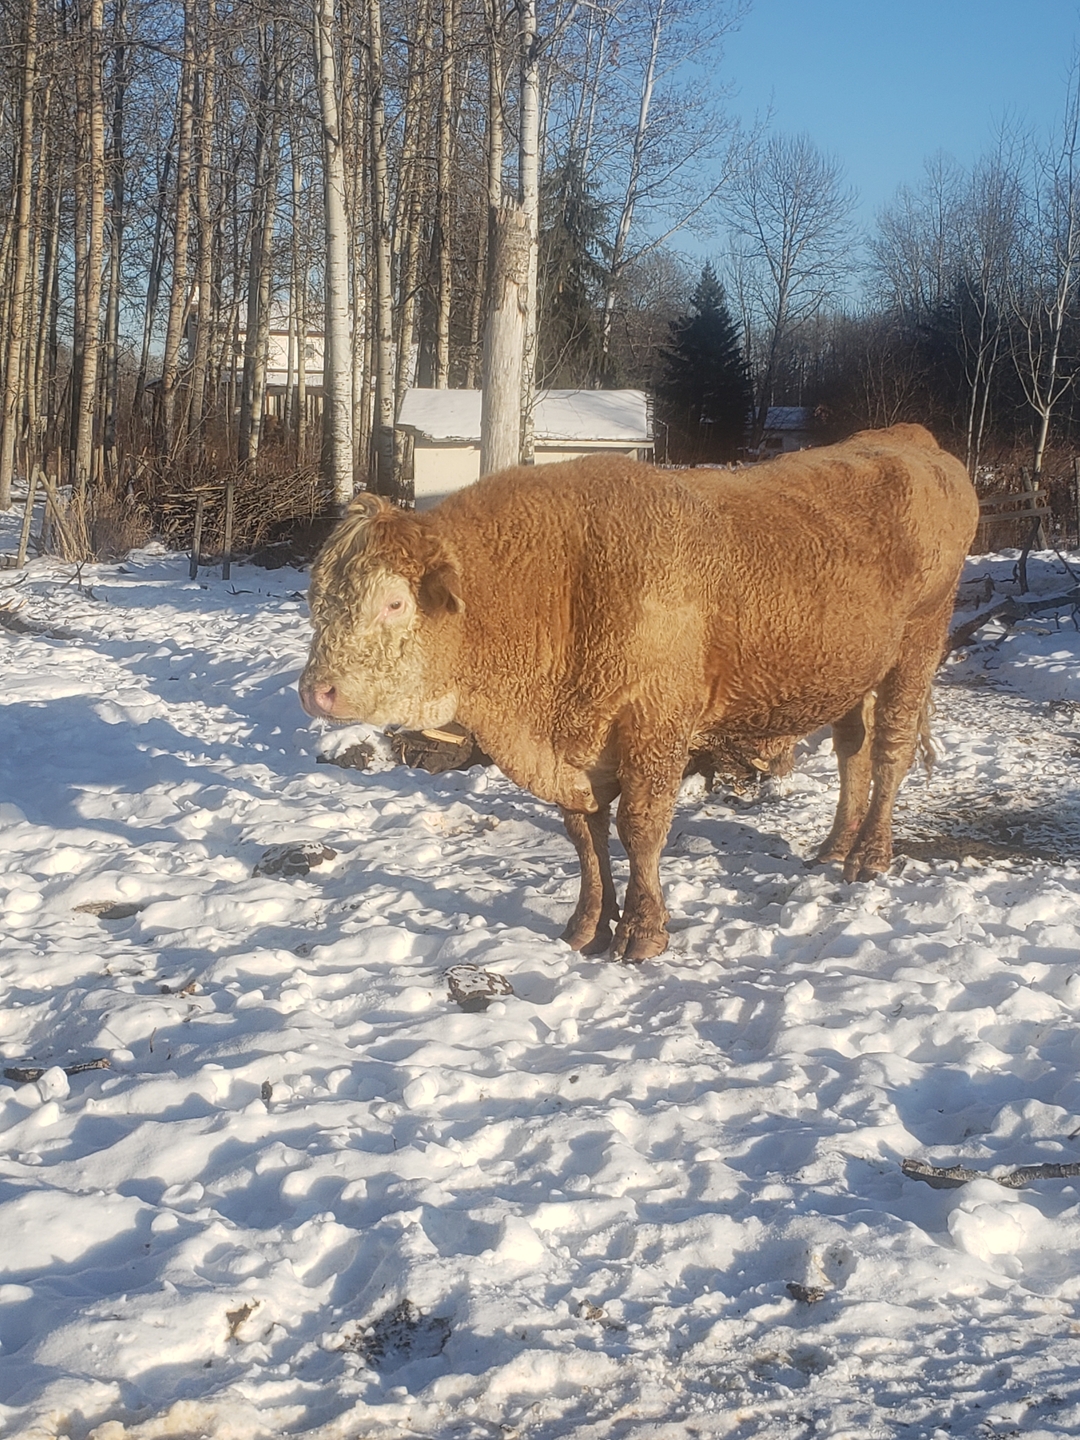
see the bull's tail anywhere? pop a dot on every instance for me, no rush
(926, 752)
(924, 741)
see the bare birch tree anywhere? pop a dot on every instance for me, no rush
(529, 200)
(384, 317)
(441, 236)
(1048, 285)
(267, 162)
(18, 309)
(337, 362)
(91, 207)
(204, 223)
(179, 293)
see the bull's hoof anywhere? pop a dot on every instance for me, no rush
(588, 939)
(835, 849)
(638, 944)
(828, 855)
(867, 864)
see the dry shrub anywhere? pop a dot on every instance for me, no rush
(284, 509)
(280, 515)
(95, 525)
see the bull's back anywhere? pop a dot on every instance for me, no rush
(782, 588)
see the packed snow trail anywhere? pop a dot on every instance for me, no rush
(314, 1196)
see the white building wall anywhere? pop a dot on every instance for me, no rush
(439, 470)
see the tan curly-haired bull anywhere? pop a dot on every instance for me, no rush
(590, 622)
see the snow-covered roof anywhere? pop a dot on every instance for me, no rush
(453, 416)
(789, 417)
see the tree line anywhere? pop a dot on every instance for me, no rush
(968, 311)
(188, 178)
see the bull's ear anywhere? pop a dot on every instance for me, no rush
(440, 590)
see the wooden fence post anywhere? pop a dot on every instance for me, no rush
(196, 539)
(28, 515)
(230, 500)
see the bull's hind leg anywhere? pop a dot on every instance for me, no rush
(899, 715)
(650, 771)
(852, 740)
(597, 910)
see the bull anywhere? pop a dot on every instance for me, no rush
(594, 622)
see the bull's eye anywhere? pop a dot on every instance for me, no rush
(396, 605)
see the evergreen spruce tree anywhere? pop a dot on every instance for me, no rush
(705, 391)
(572, 270)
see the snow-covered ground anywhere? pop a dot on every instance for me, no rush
(314, 1196)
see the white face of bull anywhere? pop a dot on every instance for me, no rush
(387, 617)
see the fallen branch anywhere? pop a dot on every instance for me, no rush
(950, 1177)
(1010, 611)
(27, 1074)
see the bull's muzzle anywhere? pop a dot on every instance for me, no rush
(318, 700)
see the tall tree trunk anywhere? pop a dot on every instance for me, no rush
(504, 348)
(48, 337)
(257, 331)
(355, 128)
(94, 186)
(17, 317)
(204, 223)
(116, 231)
(496, 145)
(153, 281)
(529, 186)
(337, 370)
(384, 301)
(35, 313)
(412, 194)
(178, 295)
(443, 182)
(298, 284)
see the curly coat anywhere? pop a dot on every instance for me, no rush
(594, 621)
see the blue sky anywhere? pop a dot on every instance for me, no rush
(880, 84)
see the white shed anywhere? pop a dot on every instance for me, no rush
(445, 426)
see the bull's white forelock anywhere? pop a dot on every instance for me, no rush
(350, 535)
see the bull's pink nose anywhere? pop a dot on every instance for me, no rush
(318, 699)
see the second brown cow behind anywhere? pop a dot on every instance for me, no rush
(591, 622)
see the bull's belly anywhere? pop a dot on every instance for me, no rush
(793, 715)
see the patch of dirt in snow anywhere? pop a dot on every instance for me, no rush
(1030, 810)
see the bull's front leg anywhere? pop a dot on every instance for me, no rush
(597, 910)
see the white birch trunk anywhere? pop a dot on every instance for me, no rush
(384, 300)
(442, 197)
(18, 311)
(205, 229)
(95, 250)
(178, 296)
(337, 366)
(504, 348)
(529, 187)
